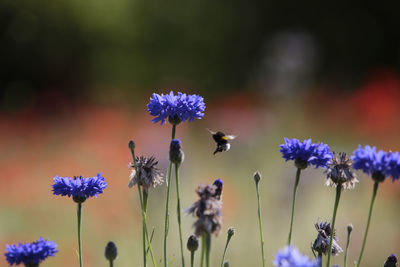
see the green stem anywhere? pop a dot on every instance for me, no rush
(143, 206)
(111, 263)
(337, 198)
(203, 249)
(208, 249)
(296, 184)
(192, 259)
(79, 212)
(320, 258)
(226, 247)
(369, 220)
(149, 247)
(166, 220)
(260, 224)
(145, 235)
(347, 248)
(143, 229)
(179, 212)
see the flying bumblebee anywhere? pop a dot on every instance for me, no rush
(222, 141)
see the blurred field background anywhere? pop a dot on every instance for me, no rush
(76, 76)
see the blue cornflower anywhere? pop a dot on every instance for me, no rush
(176, 108)
(291, 257)
(219, 185)
(306, 153)
(79, 188)
(30, 254)
(393, 162)
(377, 164)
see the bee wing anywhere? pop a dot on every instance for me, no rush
(230, 137)
(211, 132)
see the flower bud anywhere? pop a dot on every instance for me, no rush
(111, 251)
(131, 144)
(257, 176)
(192, 243)
(231, 231)
(226, 264)
(219, 185)
(175, 152)
(349, 228)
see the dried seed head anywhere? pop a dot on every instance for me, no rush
(340, 172)
(321, 243)
(148, 175)
(207, 209)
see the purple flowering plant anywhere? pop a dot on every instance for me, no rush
(338, 168)
(181, 107)
(291, 257)
(30, 254)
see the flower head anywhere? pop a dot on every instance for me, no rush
(393, 163)
(147, 175)
(192, 243)
(30, 253)
(291, 257)
(176, 154)
(219, 185)
(306, 153)
(391, 261)
(176, 108)
(377, 164)
(79, 188)
(340, 171)
(207, 209)
(111, 251)
(321, 243)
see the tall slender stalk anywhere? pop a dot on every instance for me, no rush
(143, 197)
(145, 234)
(320, 258)
(230, 234)
(296, 184)
(337, 198)
(349, 229)
(374, 192)
(149, 247)
(79, 213)
(143, 229)
(208, 249)
(260, 223)
(166, 220)
(203, 249)
(178, 198)
(111, 263)
(192, 259)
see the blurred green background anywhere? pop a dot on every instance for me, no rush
(75, 78)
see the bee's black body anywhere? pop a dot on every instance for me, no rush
(219, 138)
(222, 141)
